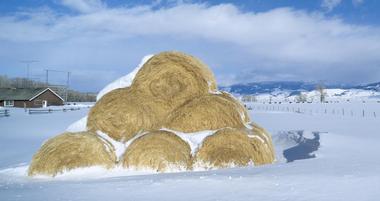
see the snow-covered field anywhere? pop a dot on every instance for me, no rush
(346, 167)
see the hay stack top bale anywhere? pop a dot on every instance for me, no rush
(226, 148)
(174, 78)
(158, 150)
(72, 150)
(208, 112)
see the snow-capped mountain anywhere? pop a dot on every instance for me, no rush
(291, 89)
(372, 86)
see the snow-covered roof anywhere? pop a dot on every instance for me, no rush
(23, 93)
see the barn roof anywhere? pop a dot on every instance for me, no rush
(22, 93)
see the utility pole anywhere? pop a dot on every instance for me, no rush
(28, 62)
(47, 78)
(67, 85)
(64, 87)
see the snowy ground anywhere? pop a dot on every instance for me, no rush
(346, 167)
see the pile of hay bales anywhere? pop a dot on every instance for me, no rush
(172, 91)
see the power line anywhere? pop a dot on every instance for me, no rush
(66, 87)
(28, 62)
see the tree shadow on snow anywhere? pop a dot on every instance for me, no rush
(304, 147)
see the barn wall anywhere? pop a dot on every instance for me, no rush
(29, 104)
(51, 98)
(20, 103)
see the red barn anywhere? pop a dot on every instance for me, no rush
(29, 97)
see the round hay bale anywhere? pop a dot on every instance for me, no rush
(262, 142)
(158, 150)
(123, 113)
(174, 78)
(208, 112)
(225, 148)
(72, 150)
(233, 147)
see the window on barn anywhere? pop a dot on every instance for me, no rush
(9, 103)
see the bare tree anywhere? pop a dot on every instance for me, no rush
(302, 97)
(322, 94)
(249, 98)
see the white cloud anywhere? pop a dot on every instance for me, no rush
(295, 43)
(84, 6)
(329, 5)
(357, 2)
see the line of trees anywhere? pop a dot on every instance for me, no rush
(75, 96)
(72, 95)
(19, 82)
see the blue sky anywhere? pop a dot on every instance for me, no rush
(336, 41)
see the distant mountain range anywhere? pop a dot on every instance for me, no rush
(292, 87)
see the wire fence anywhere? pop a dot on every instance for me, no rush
(4, 113)
(322, 109)
(51, 110)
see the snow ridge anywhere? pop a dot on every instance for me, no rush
(194, 140)
(124, 81)
(78, 126)
(118, 146)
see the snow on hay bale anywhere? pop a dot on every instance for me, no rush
(158, 150)
(71, 150)
(174, 78)
(123, 113)
(124, 81)
(230, 147)
(208, 112)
